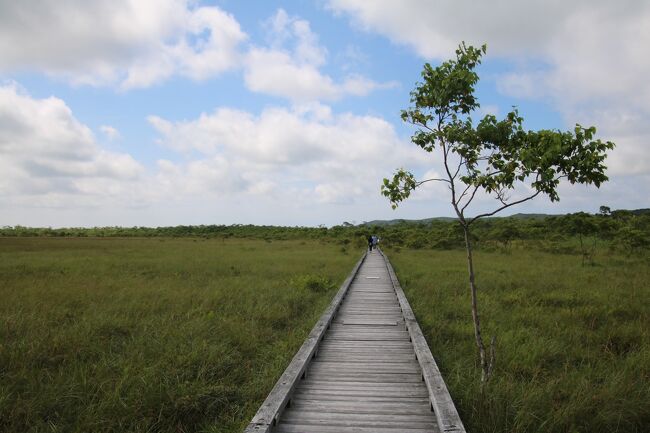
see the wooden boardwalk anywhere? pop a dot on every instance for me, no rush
(367, 371)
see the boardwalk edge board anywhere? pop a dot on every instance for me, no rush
(442, 404)
(268, 414)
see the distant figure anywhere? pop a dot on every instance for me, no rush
(375, 241)
(370, 242)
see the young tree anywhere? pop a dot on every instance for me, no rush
(583, 225)
(493, 157)
(605, 210)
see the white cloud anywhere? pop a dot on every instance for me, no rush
(489, 109)
(290, 66)
(352, 57)
(48, 159)
(586, 58)
(275, 73)
(135, 44)
(125, 42)
(305, 153)
(284, 30)
(111, 132)
(299, 158)
(46, 154)
(215, 176)
(530, 85)
(434, 30)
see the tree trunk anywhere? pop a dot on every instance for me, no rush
(485, 367)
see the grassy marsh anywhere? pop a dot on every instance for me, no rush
(573, 348)
(153, 335)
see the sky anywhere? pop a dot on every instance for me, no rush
(168, 112)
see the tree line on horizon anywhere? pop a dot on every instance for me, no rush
(581, 233)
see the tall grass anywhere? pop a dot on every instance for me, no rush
(573, 342)
(153, 335)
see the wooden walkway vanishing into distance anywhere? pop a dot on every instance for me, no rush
(364, 368)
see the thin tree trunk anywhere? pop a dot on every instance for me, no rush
(477, 323)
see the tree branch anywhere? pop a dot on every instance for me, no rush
(501, 196)
(476, 188)
(460, 164)
(452, 185)
(464, 192)
(430, 180)
(504, 207)
(493, 173)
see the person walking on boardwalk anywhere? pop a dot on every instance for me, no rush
(370, 240)
(375, 241)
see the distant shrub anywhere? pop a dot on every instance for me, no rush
(416, 243)
(313, 283)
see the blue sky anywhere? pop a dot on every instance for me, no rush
(183, 112)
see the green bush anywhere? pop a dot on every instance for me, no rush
(312, 283)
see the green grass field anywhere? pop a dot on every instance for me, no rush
(573, 348)
(189, 335)
(153, 335)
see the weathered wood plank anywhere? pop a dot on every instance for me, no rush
(343, 318)
(368, 303)
(368, 335)
(365, 328)
(360, 368)
(364, 359)
(365, 301)
(368, 322)
(377, 407)
(367, 377)
(353, 400)
(371, 312)
(354, 424)
(308, 391)
(370, 288)
(359, 420)
(384, 345)
(317, 384)
(371, 367)
(363, 337)
(310, 428)
(352, 352)
(377, 354)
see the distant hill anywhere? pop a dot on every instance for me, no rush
(447, 219)
(533, 216)
(404, 221)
